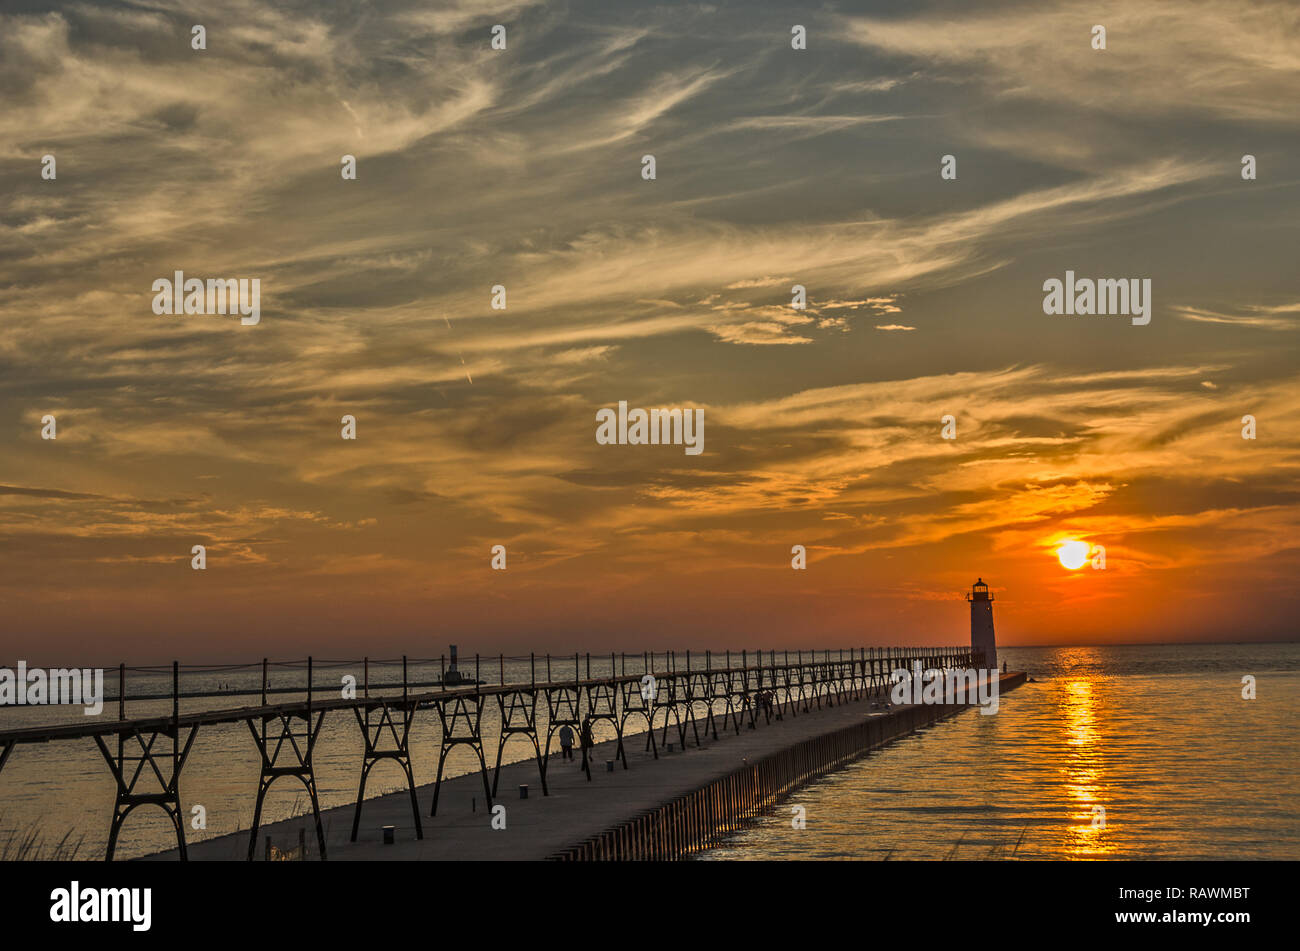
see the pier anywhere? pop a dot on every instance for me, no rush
(720, 739)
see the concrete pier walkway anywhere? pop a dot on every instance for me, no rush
(540, 826)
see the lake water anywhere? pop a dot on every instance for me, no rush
(1159, 737)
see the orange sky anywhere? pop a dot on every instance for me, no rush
(476, 426)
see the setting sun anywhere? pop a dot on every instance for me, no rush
(1073, 554)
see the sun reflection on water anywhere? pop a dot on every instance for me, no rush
(1083, 773)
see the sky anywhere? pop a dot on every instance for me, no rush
(523, 167)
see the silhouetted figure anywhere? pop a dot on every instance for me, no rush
(566, 741)
(1004, 666)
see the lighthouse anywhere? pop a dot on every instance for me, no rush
(981, 624)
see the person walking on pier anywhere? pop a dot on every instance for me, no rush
(587, 742)
(566, 741)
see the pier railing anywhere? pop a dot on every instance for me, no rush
(685, 693)
(701, 818)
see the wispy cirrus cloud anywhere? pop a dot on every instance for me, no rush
(1257, 316)
(1232, 61)
(523, 168)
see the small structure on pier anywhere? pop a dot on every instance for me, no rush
(982, 640)
(452, 677)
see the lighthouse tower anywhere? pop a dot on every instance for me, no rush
(981, 624)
